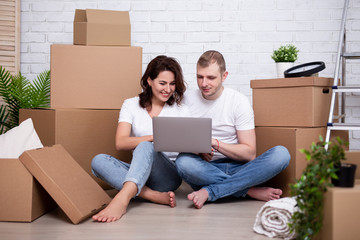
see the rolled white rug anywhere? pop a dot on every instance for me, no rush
(273, 218)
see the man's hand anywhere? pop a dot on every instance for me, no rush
(206, 156)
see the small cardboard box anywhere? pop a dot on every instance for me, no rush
(102, 27)
(293, 139)
(77, 194)
(22, 198)
(341, 213)
(292, 102)
(84, 133)
(94, 77)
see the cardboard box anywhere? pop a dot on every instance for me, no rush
(292, 102)
(22, 198)
(94, 77)
(354, 158)
(84, 133)
(341, 213)
(78, 195)
(102, 27)
(293, 139)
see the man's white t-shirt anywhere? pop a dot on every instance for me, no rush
(230, 112)
(141, 122)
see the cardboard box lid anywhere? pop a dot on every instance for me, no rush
(102, 16)
(77, 194)
(291, 82)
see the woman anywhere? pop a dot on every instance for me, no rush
(151, 175)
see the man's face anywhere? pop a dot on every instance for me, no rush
(209, 80)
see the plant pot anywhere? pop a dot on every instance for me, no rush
(346, 175)
(281, 67)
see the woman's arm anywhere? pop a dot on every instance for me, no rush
(244, 150)
(123, 141)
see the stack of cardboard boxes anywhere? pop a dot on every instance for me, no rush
(292, 112)
(89, 82)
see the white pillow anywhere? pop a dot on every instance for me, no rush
(19, 139)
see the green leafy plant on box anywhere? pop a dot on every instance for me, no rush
(287, 53)
(18, 92)
(309, 190)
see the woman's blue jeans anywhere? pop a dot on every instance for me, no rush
(150, 168)
(225, 177)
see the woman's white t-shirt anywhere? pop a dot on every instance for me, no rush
(141, 122)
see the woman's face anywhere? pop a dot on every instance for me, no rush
(163, 86)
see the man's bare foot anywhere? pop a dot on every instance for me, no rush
(166, 198)
(264, 193)
(114, 211)
(199, 197)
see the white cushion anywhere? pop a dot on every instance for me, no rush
(18, 140)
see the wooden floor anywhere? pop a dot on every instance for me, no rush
(227, 219)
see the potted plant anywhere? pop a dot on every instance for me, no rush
(310, 188)
(18, 92)
(284, 57)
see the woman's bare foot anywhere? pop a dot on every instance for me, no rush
(199, 197)
(114, 211)
(117, 207)
(166, 198)
(264, 193)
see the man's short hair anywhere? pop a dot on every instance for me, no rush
(210, 57)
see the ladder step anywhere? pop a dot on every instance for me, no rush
(351, 55)
(346, 88)
(343, 126)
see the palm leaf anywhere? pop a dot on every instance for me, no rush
(39, 95)
(18, 92)
(5, 82)
(4, 126)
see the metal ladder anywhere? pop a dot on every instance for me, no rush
(341, 89)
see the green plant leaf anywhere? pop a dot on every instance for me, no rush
(4, 126)
(287, 53)
(18, 92)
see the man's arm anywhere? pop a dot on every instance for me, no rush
(244, 150)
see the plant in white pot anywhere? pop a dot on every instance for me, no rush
(284, 56)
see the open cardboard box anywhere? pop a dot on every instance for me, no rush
(102, 27)
(77, 194)
(84, 133)
(22, 199)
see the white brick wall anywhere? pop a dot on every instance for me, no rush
(246, 32)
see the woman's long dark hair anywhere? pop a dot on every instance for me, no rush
(157, 65)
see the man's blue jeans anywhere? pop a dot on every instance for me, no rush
(225, 177)
(147, 167)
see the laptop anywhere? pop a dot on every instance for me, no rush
(182, 134)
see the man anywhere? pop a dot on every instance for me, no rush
(231, 169)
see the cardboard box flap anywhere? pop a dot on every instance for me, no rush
(80, 15)
(102, 16)
(77, 194)
(292, 82)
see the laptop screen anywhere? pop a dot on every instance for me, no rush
(182, 134)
